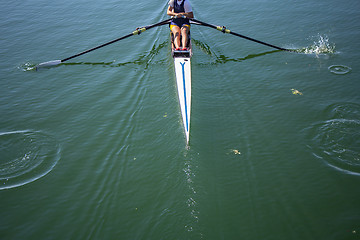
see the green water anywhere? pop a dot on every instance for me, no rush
(95, 148)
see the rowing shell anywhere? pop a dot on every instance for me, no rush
(182, 66)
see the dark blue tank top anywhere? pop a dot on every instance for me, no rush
(178, 8)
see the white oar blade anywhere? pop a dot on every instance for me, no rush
(48, 64)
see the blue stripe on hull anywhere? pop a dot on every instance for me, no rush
(185, 100)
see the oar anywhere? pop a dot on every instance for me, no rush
(225, 30)
(136, 32)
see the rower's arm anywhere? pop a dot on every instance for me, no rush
(171, 12)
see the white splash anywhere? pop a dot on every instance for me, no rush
(321, 45)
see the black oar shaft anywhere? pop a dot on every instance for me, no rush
(136, 32)
(224, 30)
(100, 46)
(258, 41)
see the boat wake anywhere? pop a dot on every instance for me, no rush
(190, 170)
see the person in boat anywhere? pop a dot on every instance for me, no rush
(180, 26)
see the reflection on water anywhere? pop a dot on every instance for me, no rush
(220, 59)
(224, 59)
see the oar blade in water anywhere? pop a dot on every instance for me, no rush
(48, 64)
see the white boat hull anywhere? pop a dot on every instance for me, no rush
(183, 81)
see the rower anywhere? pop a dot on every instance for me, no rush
(180, 25)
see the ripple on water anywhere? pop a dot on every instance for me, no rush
(337, 140)
(339, 69)
(26, 156)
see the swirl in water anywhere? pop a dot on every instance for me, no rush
(337, 141)
(339, 69)
(25, 157)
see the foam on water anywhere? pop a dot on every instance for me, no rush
(27, 67)
(321, 45)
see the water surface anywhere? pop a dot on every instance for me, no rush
(94, 148)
